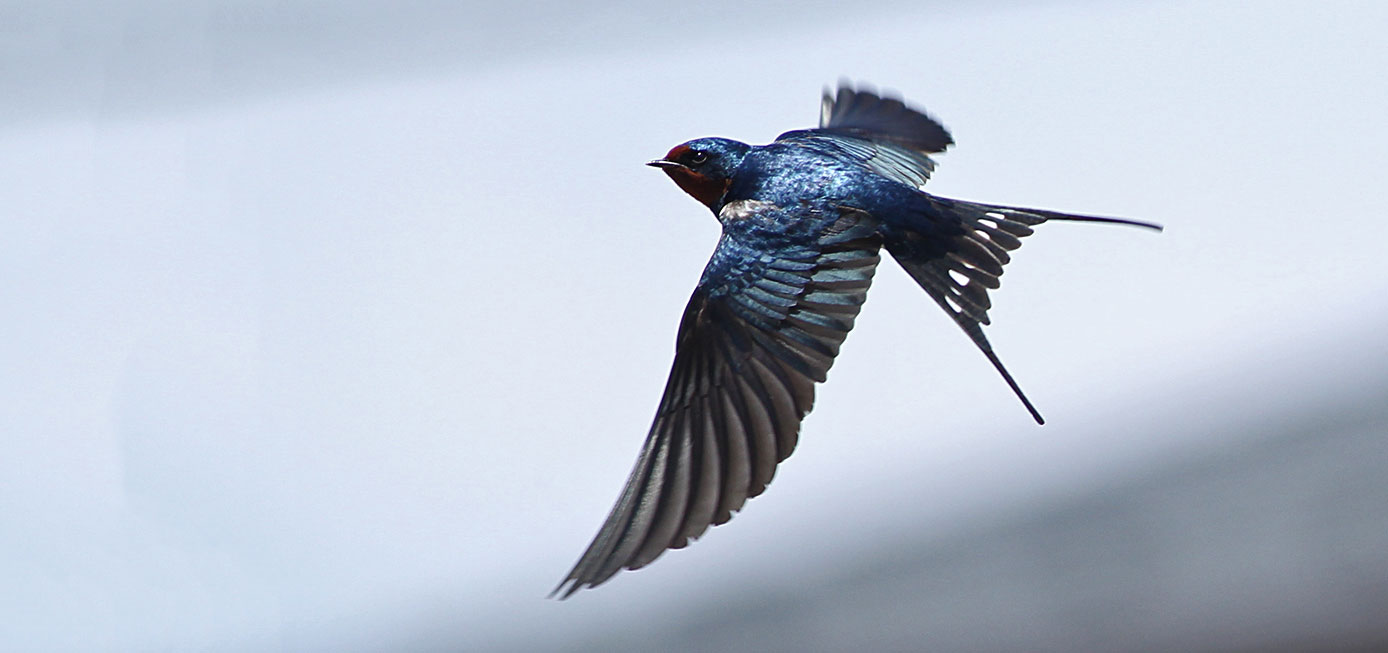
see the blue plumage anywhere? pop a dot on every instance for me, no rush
(804, 219)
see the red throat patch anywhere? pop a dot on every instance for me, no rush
(701, 187)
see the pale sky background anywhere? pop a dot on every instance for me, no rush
(337, 326)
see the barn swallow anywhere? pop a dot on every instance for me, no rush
(804, 220)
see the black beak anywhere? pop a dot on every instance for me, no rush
(662, 163)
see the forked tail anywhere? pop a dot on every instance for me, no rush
(956, 251)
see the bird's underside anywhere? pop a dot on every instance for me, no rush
(765, 323)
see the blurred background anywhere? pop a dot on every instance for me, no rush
(336, 326)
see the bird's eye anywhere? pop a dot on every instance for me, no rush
(697, 156)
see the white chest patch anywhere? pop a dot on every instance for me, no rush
(744, 209)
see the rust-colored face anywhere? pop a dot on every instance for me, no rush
(685, 167)
(699, 186)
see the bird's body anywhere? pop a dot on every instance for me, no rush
(804, 220)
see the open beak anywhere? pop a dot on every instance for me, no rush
(662, 163)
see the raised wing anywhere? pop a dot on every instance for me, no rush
(957, 253)
(866, 114)
(881, 133)
(775, 302)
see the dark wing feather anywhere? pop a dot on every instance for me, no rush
(777, 299)
(957, 255)
(880, 133)
(865, 113)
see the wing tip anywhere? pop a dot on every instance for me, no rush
(559, 593)
(895, 120)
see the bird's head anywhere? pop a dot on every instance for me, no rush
(704, 167)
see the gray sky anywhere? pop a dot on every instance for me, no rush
(334, 325)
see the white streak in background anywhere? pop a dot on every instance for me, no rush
(348, 366)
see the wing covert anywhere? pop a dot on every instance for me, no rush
(879, 132)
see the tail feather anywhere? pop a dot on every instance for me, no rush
(1069, 217)
(956, 251)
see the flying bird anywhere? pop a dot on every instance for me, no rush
(804, 221)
